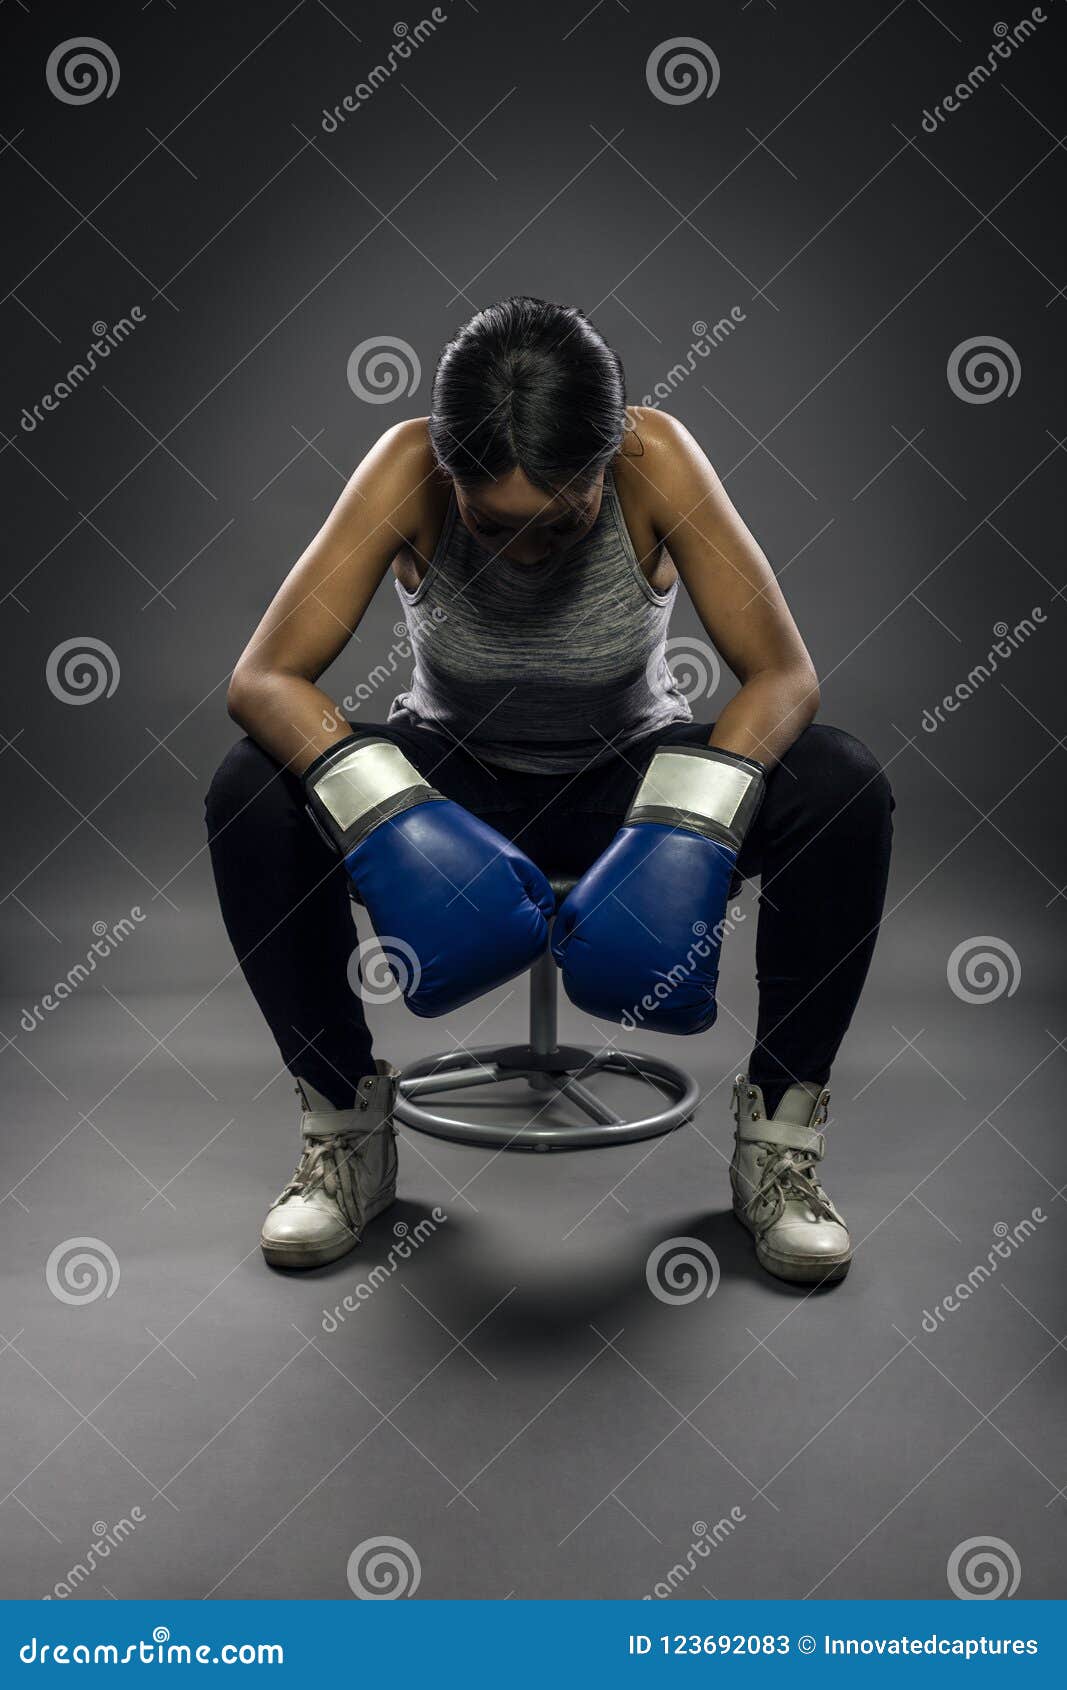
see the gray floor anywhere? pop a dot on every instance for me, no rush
(513, 1403)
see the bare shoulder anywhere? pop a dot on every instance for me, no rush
(402, 460)
(401, 475)
(660, 464)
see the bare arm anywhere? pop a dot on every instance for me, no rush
(735, 594)
(322, 600)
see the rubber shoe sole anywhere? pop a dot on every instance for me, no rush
(798, 1270)
(319, 1255)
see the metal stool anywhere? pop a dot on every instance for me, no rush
(556, 1070)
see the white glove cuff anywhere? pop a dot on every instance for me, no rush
(360, 783)
(701, 790)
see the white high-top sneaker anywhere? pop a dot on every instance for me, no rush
(799, 1234)
(345, 1177)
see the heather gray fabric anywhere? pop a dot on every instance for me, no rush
(539, 669)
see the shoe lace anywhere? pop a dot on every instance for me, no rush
(321, 1164)
(790, 1175)
(317, 1166)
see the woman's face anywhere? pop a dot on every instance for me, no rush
(512, 518)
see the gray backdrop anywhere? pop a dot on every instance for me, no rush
(883, 397)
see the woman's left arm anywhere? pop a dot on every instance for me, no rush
(735, 594)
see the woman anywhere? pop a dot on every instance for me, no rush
(537, 530)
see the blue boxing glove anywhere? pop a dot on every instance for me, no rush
(638, 939)
(458, 908)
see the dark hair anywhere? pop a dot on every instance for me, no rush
(528, 385)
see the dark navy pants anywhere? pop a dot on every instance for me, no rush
(820, 846)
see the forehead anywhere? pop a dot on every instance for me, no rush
(512, 498)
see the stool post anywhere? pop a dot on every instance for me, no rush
(543, 1005)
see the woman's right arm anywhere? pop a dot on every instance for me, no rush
(273, 694)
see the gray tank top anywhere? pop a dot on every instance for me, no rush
(540, 669)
